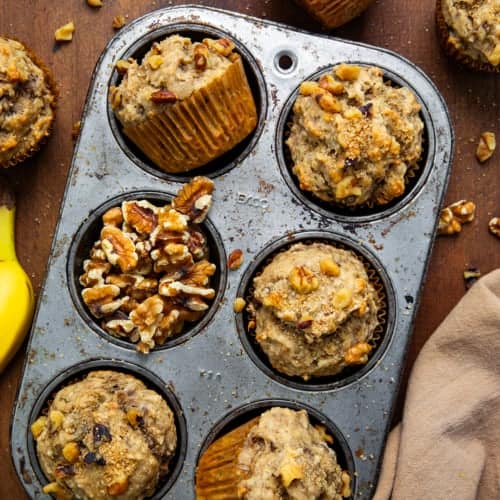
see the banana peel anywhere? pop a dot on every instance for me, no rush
(17, 301)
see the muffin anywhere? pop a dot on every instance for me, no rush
(27, 102)
(333, 13)
(105, 436)
(470, 32)
(277, 455)
(354, 138)
(315, 310)
(149, 273)
(186, 103)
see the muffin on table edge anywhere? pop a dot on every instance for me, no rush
(104, 436)
(334, 13)
(468, 32)
(316, 310)
(28, 98)
(186, 103)
(355, 139)
(275, 454)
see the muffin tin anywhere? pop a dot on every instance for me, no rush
(209, 371)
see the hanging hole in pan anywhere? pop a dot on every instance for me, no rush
(285, 61)
(231, 158)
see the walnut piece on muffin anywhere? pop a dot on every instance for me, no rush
(354, 137)
(27, 102)
(103, 436)
(315, 310)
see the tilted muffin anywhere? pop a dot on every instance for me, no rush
(470, 32)
(354, 138)
(333, 13)
(186, 103)
(316, 310)
(27, 102)
(105, 436)
(279, 455)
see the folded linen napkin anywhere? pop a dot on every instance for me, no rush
(447, 446)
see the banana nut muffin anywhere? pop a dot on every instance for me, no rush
(354, 137)
(106, 436)
(27, 102)
(285, 456)
(186, 103)
(316, 310)
(470, 32)
(276, 455)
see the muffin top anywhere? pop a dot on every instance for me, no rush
(287, 457)
(104, 436)
(354, 136)
(172, 70)
(474, 27)
(27, 102)
(315, 288)
(316, 310)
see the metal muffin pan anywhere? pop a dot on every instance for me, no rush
(210, 373)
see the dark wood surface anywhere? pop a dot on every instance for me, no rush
(405, 26)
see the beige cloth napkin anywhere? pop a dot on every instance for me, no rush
(447, 446)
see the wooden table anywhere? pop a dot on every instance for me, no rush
(404, 26)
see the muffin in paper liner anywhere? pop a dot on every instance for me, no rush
(457, 50)
(279, 454)
(21, 136)
(184, 132)
(305, 347)
(334, 13)
(354, 140)
(217, 473)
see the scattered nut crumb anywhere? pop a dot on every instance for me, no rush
(494, 226)
(239, 304)
(75, 130)
(95, 3)
(65, 33)
(471, 275)
(235, 259)
(453, 216)
(118, 22)
(486, 146)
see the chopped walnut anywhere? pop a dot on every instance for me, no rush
(95, 3)
(239, 304)
(65, 33)
(194, 199)
(471, 275)
(452, 217)
(494, 226)
(75, 130)
(303, 280)
(149, 272)
(119, 248)
(486, 146)
(118, 22)
(358, 354)
(235, 259)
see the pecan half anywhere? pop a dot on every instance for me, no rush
(163, 96)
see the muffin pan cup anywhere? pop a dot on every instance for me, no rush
(211, 373)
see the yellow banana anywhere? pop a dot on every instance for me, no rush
(16, 293)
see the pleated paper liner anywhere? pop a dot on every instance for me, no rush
(378, 333)
(31, 149)
(333, 13)
(453, 52)
(191, 132)
(217, 473)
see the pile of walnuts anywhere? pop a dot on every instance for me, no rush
(149, 271)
